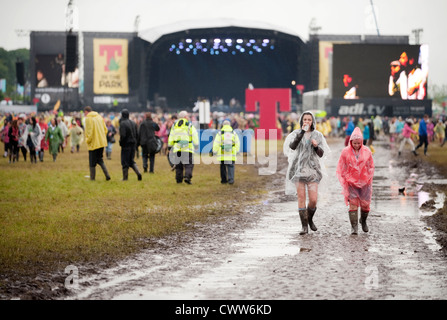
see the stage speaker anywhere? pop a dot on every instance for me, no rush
(71, 53)
(20, 73)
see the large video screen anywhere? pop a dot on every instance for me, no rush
(380, 71)
(50, 72)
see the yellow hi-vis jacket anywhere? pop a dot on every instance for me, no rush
(95, 131)
(183, 136)
(226, 144)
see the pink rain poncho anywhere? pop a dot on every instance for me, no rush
(305, 165)
(355, 173)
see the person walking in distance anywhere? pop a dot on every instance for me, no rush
(226, 145)
(34, 137)
(355, 171)
(423, 136)
(305, 148)
(95, 137)
(128, 143)
(43, 142)
(406, 134)
(111, 132)
(147, 141)
(23, 135)
(183, 139)
(54, 137)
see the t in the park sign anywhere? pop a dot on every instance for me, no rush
(110, 66)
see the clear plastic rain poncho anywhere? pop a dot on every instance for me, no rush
(355, 173)
(305, 165)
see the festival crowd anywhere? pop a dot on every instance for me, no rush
(34, 134)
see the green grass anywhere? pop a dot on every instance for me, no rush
(437, 156)
(51, 214)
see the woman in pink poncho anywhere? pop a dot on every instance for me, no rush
(355, 172)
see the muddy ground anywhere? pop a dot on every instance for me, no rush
(260, 254)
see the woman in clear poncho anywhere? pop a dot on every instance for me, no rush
(355, 171)
(305, 148)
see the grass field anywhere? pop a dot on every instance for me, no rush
(51, 214)
(437, 156)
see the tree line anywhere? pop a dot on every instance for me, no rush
(8, 61)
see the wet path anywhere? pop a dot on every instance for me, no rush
(268, 259)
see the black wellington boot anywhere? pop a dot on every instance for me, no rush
(135, 168)
(354, 218)
(104, 169)
(363, 216)
(92, 173)
(304, 221)
(310, 214)
(125, 174)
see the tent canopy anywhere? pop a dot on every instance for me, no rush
(153, 34)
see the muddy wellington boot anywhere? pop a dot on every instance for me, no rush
(310, 215)
(354, 218)
(304, 221)
(363, 216)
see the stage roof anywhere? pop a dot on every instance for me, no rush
(153, 34)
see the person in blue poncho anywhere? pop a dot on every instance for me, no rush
(423, 138)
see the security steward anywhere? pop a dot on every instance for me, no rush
(226, 146)
(183, 139)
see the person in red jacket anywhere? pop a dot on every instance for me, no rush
(355, 171)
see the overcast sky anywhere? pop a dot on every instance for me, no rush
(394, 17)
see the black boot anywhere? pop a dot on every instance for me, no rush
(125, 174)
(310, 214)
(135, 168)
(304, 221)
(363, 216)
(92, 173)
(354, 218)
(104, 169)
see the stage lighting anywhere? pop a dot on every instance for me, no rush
(216, 46)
